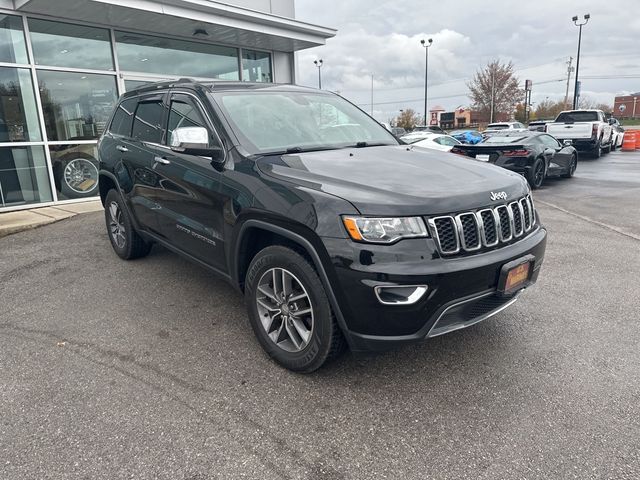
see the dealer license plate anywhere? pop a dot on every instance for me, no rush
(517, 276)
(483, 158)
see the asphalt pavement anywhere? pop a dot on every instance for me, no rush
(149, 369)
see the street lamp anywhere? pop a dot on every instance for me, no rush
(426, 46)
(318, 64)
(580, 25)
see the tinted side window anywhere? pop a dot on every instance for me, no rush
(185, 113)
(123, 118)
(549, 141)
(147, 124)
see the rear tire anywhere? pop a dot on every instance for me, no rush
(301, 334)
(597, 151)
(536, 174)
(126, 242)
(572, 167)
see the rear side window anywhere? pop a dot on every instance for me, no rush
(123, 118)
(147, 123)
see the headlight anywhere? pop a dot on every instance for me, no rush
(384, 230)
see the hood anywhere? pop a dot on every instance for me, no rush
(397, 180)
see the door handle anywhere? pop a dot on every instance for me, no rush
(161, 160)
(122, 148)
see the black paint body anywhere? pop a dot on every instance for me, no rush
(557, 157)
(219, 214)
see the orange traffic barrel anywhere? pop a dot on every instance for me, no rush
(629, 141)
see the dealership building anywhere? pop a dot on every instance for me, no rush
(63, 64)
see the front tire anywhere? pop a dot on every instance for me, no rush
(536, 174)
(289, 310)
(126, 242)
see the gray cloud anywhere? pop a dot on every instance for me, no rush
(382, 38)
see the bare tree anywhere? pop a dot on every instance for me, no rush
(495, 90)
(408, 119)
(548, 109)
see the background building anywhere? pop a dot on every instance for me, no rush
(627, 106)
(64, 63)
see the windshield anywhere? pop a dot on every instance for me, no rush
(503, 139)
(281, 121)
(570, 117)
(497, 126)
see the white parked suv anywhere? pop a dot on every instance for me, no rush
(587, 130)
(493, 128)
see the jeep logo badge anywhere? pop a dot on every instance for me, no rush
(498, 196)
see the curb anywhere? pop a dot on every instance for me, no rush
(19, 221)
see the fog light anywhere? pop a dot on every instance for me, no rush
(400, 295)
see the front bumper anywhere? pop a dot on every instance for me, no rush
(461, 290)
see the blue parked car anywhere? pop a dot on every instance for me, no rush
(470, 137)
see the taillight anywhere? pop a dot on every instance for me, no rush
(594, 130)
(515, 153)
(459, 151)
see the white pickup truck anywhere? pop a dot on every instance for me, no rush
(587, 130)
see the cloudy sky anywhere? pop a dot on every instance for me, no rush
(383, 38)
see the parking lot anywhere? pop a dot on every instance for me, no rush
(149, 369)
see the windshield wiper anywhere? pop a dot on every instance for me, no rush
(367, 144)
(297, 150)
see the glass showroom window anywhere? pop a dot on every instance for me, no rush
(256, 66)
(68, 45)
(75, 170)
(12, 46)
(24, 178)
(18, 111)
(166, 56)
(76, 105)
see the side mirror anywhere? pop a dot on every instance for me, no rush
(195, 141)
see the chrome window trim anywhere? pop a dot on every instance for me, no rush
(436, 236)
(180, 91)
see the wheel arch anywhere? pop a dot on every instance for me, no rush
(106, 182)
(255, 234)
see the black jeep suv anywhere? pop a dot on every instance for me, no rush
(335, 232)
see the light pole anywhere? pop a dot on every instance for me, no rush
(426, 46)
(580, 25)
(318, 63)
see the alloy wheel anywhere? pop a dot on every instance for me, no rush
(81, 175)
(116, 225)
(539, 174)
(285, 309)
